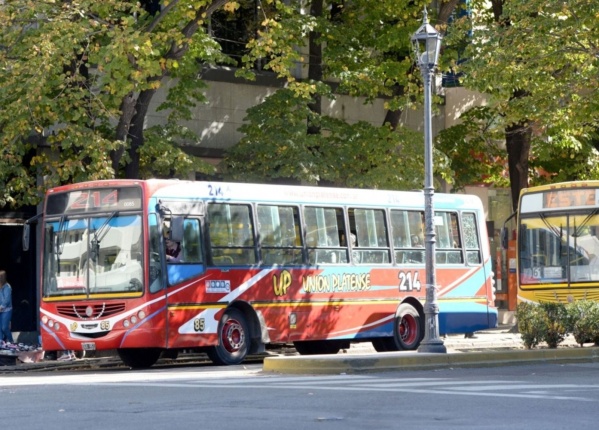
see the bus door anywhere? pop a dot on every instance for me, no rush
(184, 262)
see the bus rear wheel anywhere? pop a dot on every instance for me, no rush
(233, 339)
(408, 331)
(139, 358)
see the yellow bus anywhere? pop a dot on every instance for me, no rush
(557, 245)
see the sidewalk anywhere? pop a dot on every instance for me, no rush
(495, 347)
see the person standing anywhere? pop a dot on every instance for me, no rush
(5, 308)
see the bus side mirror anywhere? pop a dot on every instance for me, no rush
(26, 234)
(27, 230)
(176, 229)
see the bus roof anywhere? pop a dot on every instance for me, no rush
(269, 193)
(560, 186)
(230, 191)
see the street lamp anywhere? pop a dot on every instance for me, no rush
(427, 43)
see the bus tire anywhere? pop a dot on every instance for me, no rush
(233, 339)
(408, 331)
(381, 344)
(139, 358)
(409, 327)
(313, 347)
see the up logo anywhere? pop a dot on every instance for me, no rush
(281, 283)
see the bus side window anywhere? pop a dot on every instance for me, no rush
(231, 232)
(471, 243)
(278, 229)
(449, 248)
(370, 229)
(407, 230)
(191, 246)
(324, 228)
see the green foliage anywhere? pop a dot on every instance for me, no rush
(566, 158)
(555, 316)
(477, 137)
(546, 51)
(583, 320)
(366, 52)
(531, 324)
(77, 77)
(162, 157)
(552, 322)
(277, 145)
(365, 47)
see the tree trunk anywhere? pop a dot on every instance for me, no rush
(517, 139)
(392, 117)
(122, 129)
(315, 64)
(445, 11)
(136, 133)
(133, 111)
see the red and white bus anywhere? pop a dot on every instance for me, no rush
(260, 264)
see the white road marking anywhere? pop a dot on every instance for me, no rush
(253, 378)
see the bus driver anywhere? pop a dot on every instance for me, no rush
(173, 251)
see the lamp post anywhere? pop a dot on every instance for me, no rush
(427, 43)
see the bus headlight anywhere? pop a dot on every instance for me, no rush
(126, 323)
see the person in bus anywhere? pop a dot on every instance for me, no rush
(173, 251)
(5, 308)
(417, 256)
(416, 242)
(356, 255)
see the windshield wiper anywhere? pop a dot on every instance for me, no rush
(99, 235)
(552, 228)
(59, 243)
(578, 230)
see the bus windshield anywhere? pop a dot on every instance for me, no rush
(559, 248)
(93, 255)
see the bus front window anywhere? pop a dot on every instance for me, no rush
(559, 249)
(90, 256)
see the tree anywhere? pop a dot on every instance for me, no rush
(276, 146)
(358, 48)
(538, 63)
(76, 82)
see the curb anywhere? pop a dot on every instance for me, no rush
(397, 361)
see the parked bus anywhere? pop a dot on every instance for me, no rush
(260, 264)
(557, 244)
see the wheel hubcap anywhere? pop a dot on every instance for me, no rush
(407, 329)
(233, 337)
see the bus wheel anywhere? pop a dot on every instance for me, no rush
(312, 347)
(407, 333)
(139, 358)
(408, 330)
(233, 339)
(382, 344)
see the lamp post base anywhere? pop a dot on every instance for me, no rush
(434, 346)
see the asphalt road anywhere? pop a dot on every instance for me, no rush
(536, 396)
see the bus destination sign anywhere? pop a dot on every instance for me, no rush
(569, 197)
(98, 199)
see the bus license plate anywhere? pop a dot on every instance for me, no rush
(88, 346)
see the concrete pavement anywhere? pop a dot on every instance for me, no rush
(496, 347)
